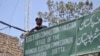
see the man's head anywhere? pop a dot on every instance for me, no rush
(39, 21)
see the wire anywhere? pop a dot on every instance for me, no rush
(1, 2)
(3, 28)
(14, 11)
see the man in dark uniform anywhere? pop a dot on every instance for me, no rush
(39, 25)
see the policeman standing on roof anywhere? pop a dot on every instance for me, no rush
(39, 25)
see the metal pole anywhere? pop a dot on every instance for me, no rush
(12, 26)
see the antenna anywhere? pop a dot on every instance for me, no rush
(27, 15)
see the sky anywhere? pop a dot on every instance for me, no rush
(13, 13)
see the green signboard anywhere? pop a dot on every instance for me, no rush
(88, 34)
(72, 38)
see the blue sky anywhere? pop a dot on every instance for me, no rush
(13, 12)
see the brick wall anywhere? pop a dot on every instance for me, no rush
(9, 46)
